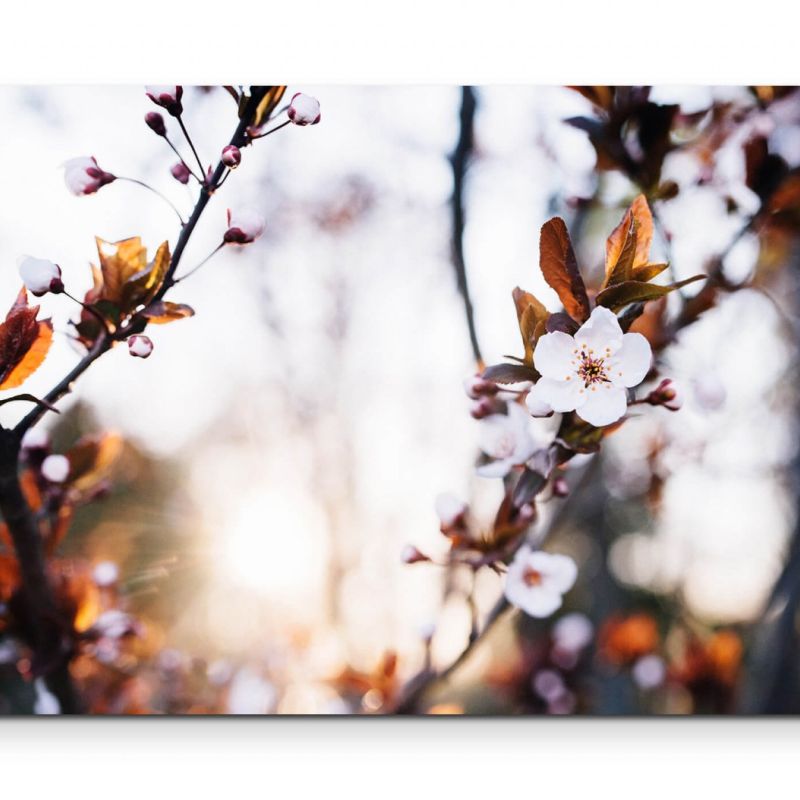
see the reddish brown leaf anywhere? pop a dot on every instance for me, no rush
(615, 297)
(24, 342)
(532, 316)
(560, 268)
(163, 312)
(628, 246)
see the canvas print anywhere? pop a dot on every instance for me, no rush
(420, 400)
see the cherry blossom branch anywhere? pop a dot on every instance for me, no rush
(190, 142)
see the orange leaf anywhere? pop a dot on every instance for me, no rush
(628, 246)
(531, 315)
(560, 268)
(120, 261)
(163, 312)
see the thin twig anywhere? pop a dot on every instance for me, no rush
(155, 192)
(191, 144)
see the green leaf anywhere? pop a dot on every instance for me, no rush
(615, 297)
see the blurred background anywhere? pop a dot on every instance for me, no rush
(286, 443)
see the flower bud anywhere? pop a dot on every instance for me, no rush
(486, 406)
(475, 386)
(244, 226)
(304, 110)
(106, 573)
(665, 394)
(410, 555)
(181, 173)
(35, 439)
(140, 346)
(40, 275)
(231, 156)
(168, 97)
(83, 176)
(55, 468)
(155, 122)
(450, 509)
(560, 487)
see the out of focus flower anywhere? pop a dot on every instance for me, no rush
(622, 640)
(83, 176)
(180, 172)
(55, 468)
(114, 624)
(560, 486)
(45, 702)
(709, 391)
(106, 573)
(549, 685)
(450, 509)
(536, 581)
(250, 693)
(155, 122)
(588, 373)
(35, 439)
(537, 405)
(507, 440)
(304, 110)
(140, 346)
(573, 632)
(410, 555)
(649, 672)
(244, 225)
(666, 394)
(168, 97)
(40, 275)
(231, 156)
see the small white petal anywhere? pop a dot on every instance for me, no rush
(536, 602)
(554, 355)
(449, 508)
(604, 405)
(494, 469)
(559, 572)
(536, 403)
(601, 330)
(38, 274)
(55, 468)
(561, 395)
(632, 361)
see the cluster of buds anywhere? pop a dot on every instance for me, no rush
(40, 275)
(665, 394)
(483, 393)
(168, 97)
(83, 176)
(244, 226)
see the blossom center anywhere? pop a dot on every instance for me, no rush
(590, 367)
(532, 577)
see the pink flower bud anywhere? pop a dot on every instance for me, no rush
(181, 172)
(231, 156)
(666, 394)
(304, 110)
(244, 226)
(486, 406)
(40, 275)
(83, 176)
(411, 555)
(475, 386)
(155, 122)
(168, 97)
(55, 469)
(140, 346)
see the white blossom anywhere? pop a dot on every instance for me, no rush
(573, 632)
(536, 581)
(589, 372)
(40, 275)
(304, 110)
(244, 225)
(507, 440)
(105, 573)
(55, 468)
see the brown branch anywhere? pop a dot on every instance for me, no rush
(459, 162)
(43, 626)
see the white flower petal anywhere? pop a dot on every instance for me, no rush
(494, 469)
(553, 355)
(632, 361)
(561, 395)
(536, 403)
(533, 600)
(559, 572)
(604, 404)
(601, 330)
